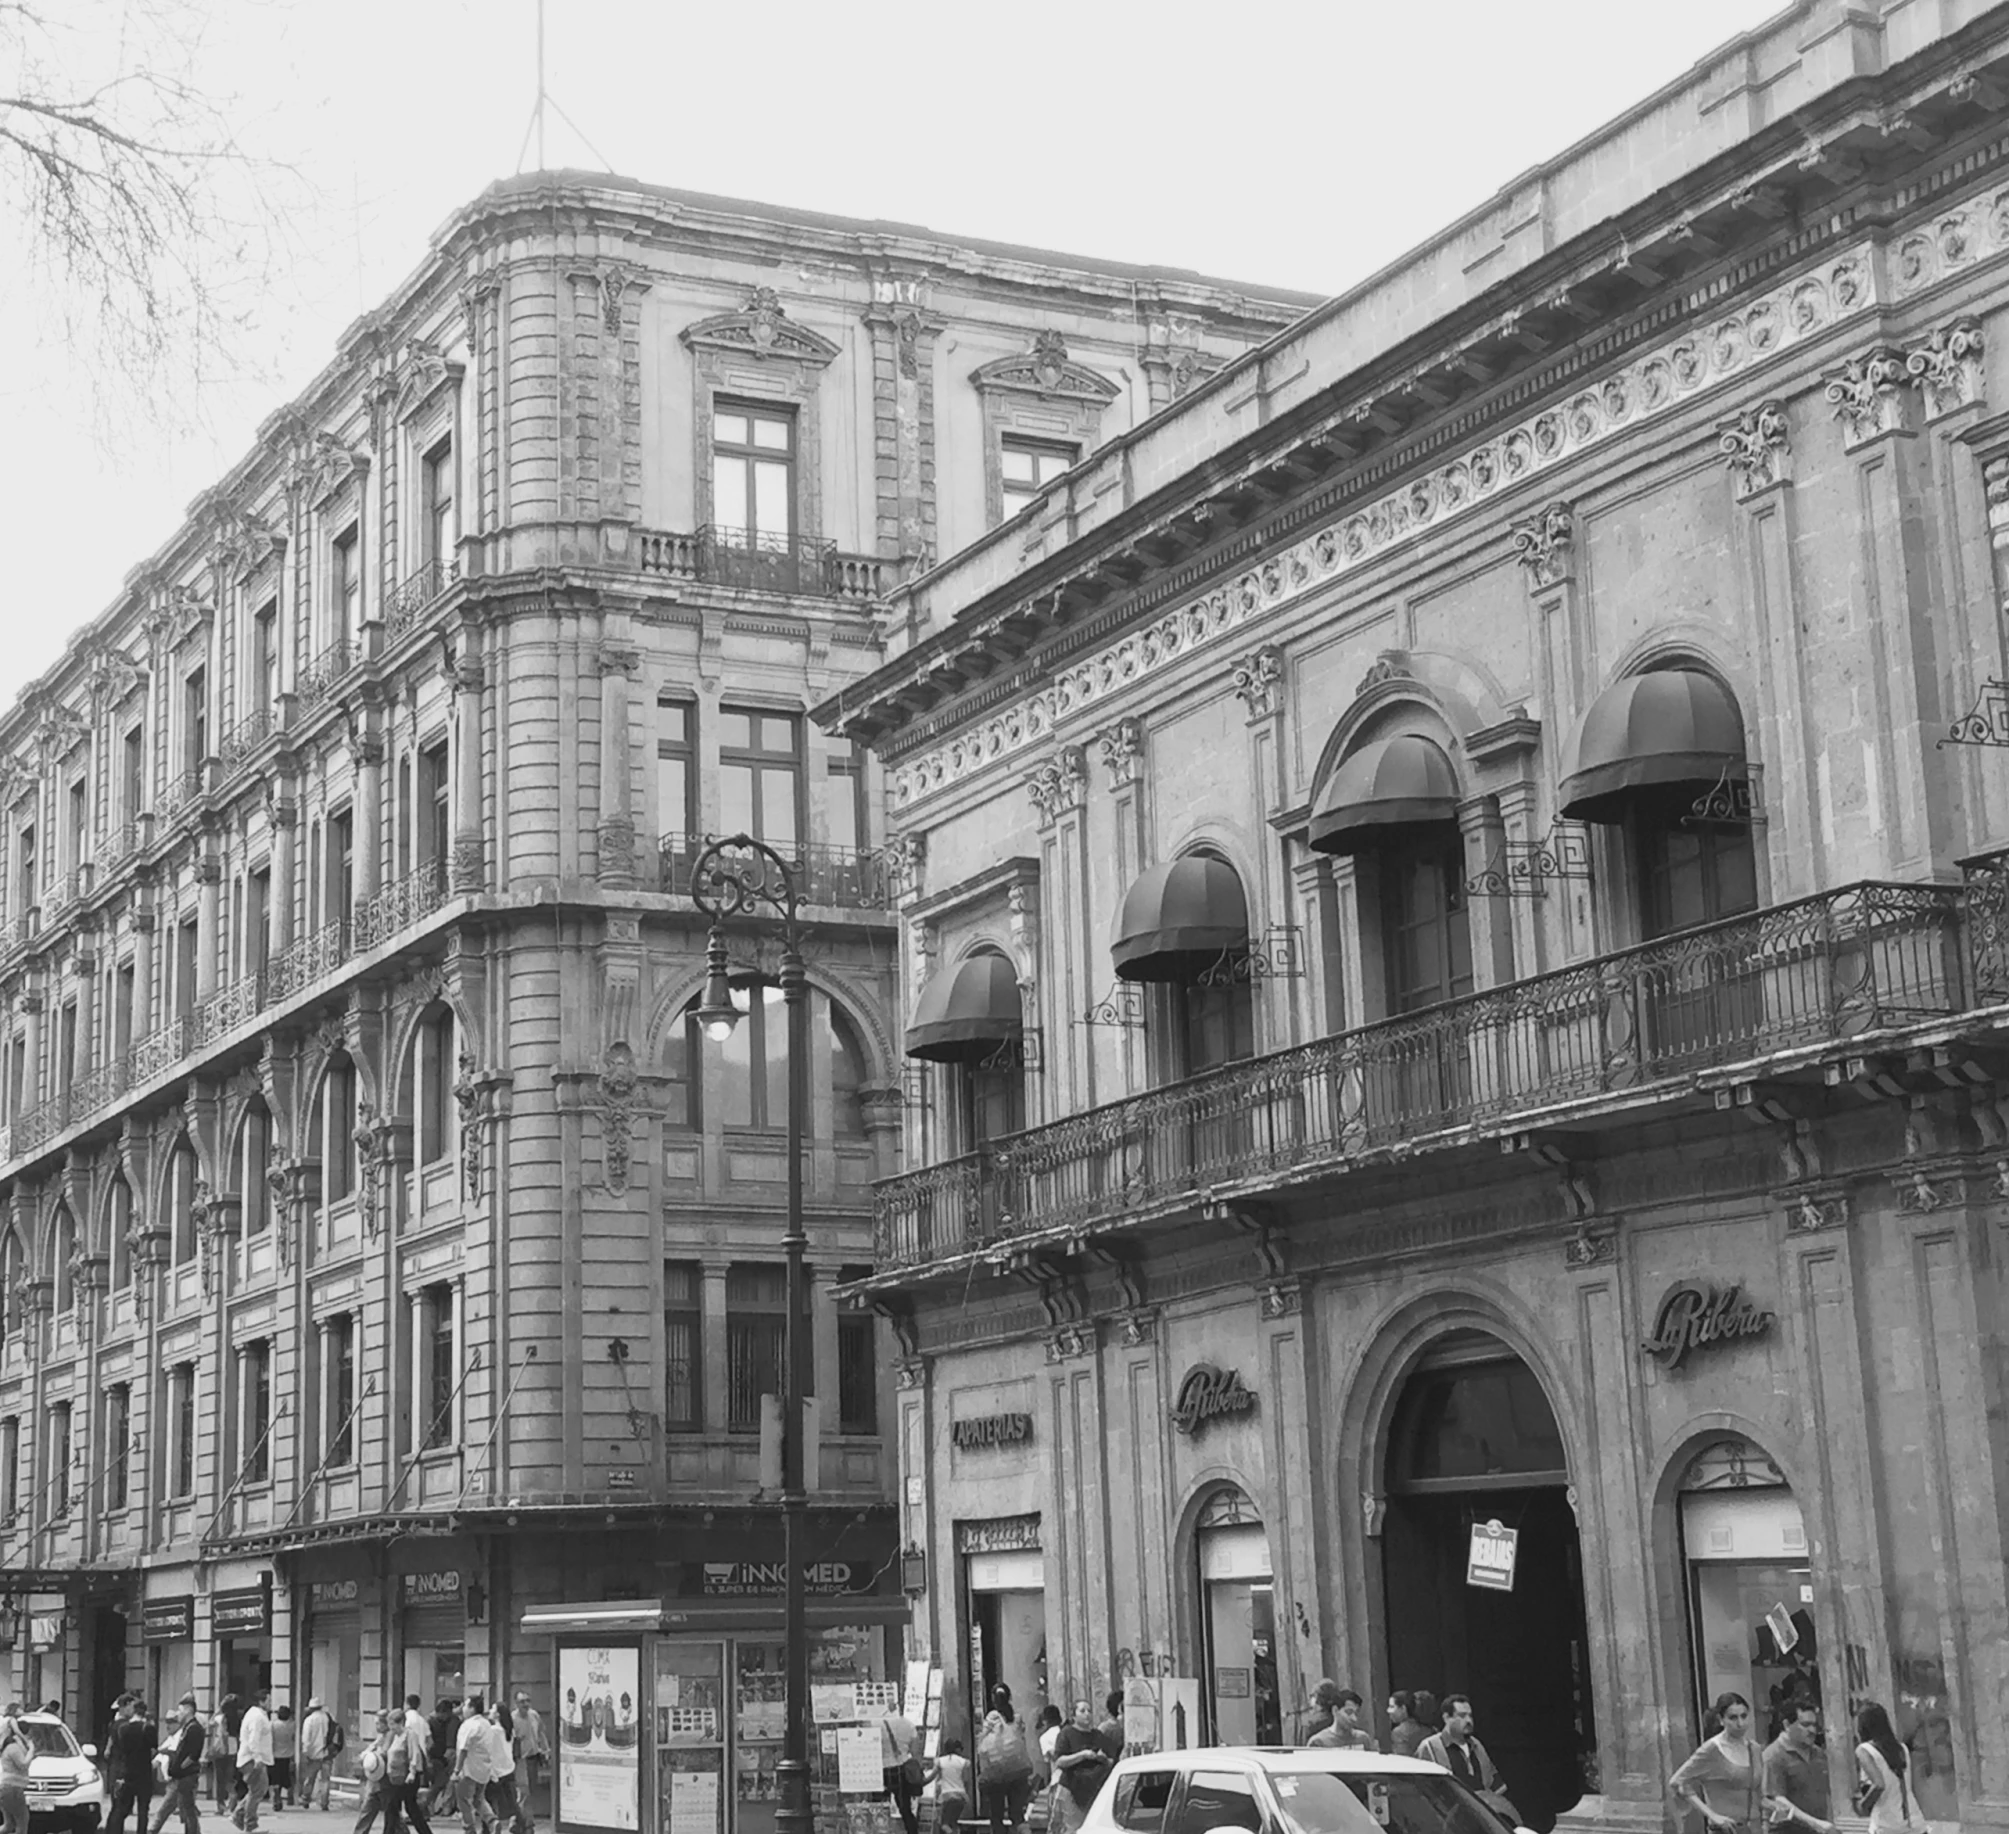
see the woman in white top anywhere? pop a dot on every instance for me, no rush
(1882, 1770)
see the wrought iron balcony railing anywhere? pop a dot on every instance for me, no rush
(245, 737)
(181, 789)
(398, 905)
(302, 963)
(823, 875)
(420, 591)
(794, 564)
(324, 674)
(1824, 969)
(42, 1123)
(159, 1051)
(97, 1089)
(227, 1008)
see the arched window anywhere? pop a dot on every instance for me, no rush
(181, 1203)
(251, 1166)
(13, 1264)
(118, 1227)
(431, 1085)
(847, 1075)
(682, 1051)
(63, 1250)
(335, 1128)
(745, 1078)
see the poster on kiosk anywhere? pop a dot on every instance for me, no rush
(599, 1737)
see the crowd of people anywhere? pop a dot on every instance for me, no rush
(479, 1762)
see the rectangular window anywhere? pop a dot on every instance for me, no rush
(748, 1071)
(341, 1428)
(683, 1346)
(336, 1128)
(181, 1431)
(59, 1459)
(17, 1077)
(125, 993)
(77, 826)
(265, 657)
(436, 484)
(857, 1365)
(435, 1090)
(756, 1314)
(1028, 466)
(254, 1375)
(760, 775)
(118, 1445)
(132, 774)
(845, 777)
(439, 1364)
(676, 767)
(341, 857)
(434, 817)
(345, 590)
(258, 921)
(26, 875)
(753, 476)
(66, 1046)
(10, 1468)
(187, 946)
(194, 721)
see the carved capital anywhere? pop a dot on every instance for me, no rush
(1544, 544)
(1757, 446)
(1812, 1209)
(1257, 680)
(1867, 394)
(905, 856)
(1945, 366)
(1070, 1343)
(1122, 750)
(1059, 785)
(1590, 1247)
(620, 659)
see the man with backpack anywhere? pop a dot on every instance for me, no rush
(320, 1740)
(130, 1749)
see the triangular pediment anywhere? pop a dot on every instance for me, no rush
(760, 329)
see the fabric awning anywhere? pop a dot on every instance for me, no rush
(1401, 781)
(1179, 918)
(1669, 728)
(966, 1012)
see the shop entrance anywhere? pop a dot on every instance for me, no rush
(1007, 1620)
(1474, 1441)
(1237, 1623)
(108, 1667)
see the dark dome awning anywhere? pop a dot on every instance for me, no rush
(1179, 918)
(1401, 781)
(1671, 728)
(966, 1012)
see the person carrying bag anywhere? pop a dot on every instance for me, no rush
(1004, 1766)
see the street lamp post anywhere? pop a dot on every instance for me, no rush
(740, 877)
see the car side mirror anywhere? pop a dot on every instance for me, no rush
(89, 1751)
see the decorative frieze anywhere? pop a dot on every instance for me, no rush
(616, 1098)
(1963, 236)
(1590, 1247)
(1868, 394)
(1757, 446)
(1258, 681)
(1645, 390)
(1543, 544)
(1945, 365)
(1808, 1212)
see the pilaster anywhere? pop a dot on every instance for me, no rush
(1059, 790)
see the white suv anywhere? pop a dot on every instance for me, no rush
(65, 1786)
(1261, 1790)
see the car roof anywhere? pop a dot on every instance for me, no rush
(1284, 1757)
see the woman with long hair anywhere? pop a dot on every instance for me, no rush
(1883, 1772)
(1004, 1765)
(1724, 1780)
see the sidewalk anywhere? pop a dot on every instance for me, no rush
(339, 1818)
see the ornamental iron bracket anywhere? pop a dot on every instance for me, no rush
(1121, 1006)
(1525, 868)
(1277, 957)
(1986, 722)
(1735, 800)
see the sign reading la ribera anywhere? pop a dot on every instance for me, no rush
(1207, 1394)
(1490, 1565)
(1696, 1315)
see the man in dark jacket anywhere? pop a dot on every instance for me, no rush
(184, 1766)
(129, 1753)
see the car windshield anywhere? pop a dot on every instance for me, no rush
(50, 1738)
(1365, 1802)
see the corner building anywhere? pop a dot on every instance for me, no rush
(384, 1257)
(1454, 981)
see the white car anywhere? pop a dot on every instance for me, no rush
(65, 1787)
(1245, 1789)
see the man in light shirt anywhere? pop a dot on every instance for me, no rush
(502, 1756)
(254, 1759)
(473, 1768)
(533, 1751)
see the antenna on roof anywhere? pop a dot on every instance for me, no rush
(545, 100)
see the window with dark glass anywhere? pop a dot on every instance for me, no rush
(435, 1091)
(1425, 928)
(748, 1071)
(845, 772)
(435, 822)
(987, 1102)
(255, 1375)
(10, 1468)
(258, 921)
(17, 1077)
(132, 773)
(77, 826)
(760, 775)
(118, 1445)
(1028, 466)
(753, 475)
(857, 1364)
(676, 767)
(436, 485)
(27, 879)
(341, 1428)
(194, 721)
(346, 588)
(66, 1248)
(341, 862)
(59, 1459)
(335, 1128)
(756, 1324)
(181, 1203)
(66, 1046)
(187, 949)
(683, 1346)
(120, 1215)
(440, 1362)
(265, 657)
(181, 1438)
(254, 1169)
(1691, 872)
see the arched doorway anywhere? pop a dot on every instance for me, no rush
(1238, 1630)
(1750, 1585)
(1474, 1441)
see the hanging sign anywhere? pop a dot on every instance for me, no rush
(243, 1612)
(427, 1588)
(167, 1620)
(1209, 1394)
(1490, 1565)
(1697, 1315)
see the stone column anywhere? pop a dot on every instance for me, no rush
(617, 820)
(31, 1007)
(1059, 789)
(1120, 1048)
(284, 814)
(1283, 1014)
(470, 869)
(141, 918)
(84, 960)
(903, 335)
(1321, 942)
(366, 751)
(208, 913)
(1484, 838)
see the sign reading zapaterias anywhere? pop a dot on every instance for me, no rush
(982, 1430)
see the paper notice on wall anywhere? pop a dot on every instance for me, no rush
(831, 1702)
(1785, 1633)
(914, 1698)
(827, 1741)
(694, 1802)
(1140, 1715)
(875, 1699)
(859, 1772)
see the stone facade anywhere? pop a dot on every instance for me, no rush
(1546, 1127)
(382, 1253)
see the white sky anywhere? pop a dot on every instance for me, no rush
(1300, 142)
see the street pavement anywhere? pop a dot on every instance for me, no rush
(339, 1818)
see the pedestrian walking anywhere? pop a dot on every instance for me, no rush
(1883, 1776)
(285, 1740)
(1343, 1731)
(900, 1766)
(405, 1761)
(131, 1753)
(254, 1760)
(1004, 1765)
(1080, 1767)
(1724, 1779)
(1405, 1730)
(1111, 1728)
(502, 1756)
(180, 1768)
(473, 1769)
(380, 1789)
(950, 1775)
(221, 1750)
(1456, 1747)
(15, 1755)
(533, 1753)
(316, 1757)
(1796, 1771)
